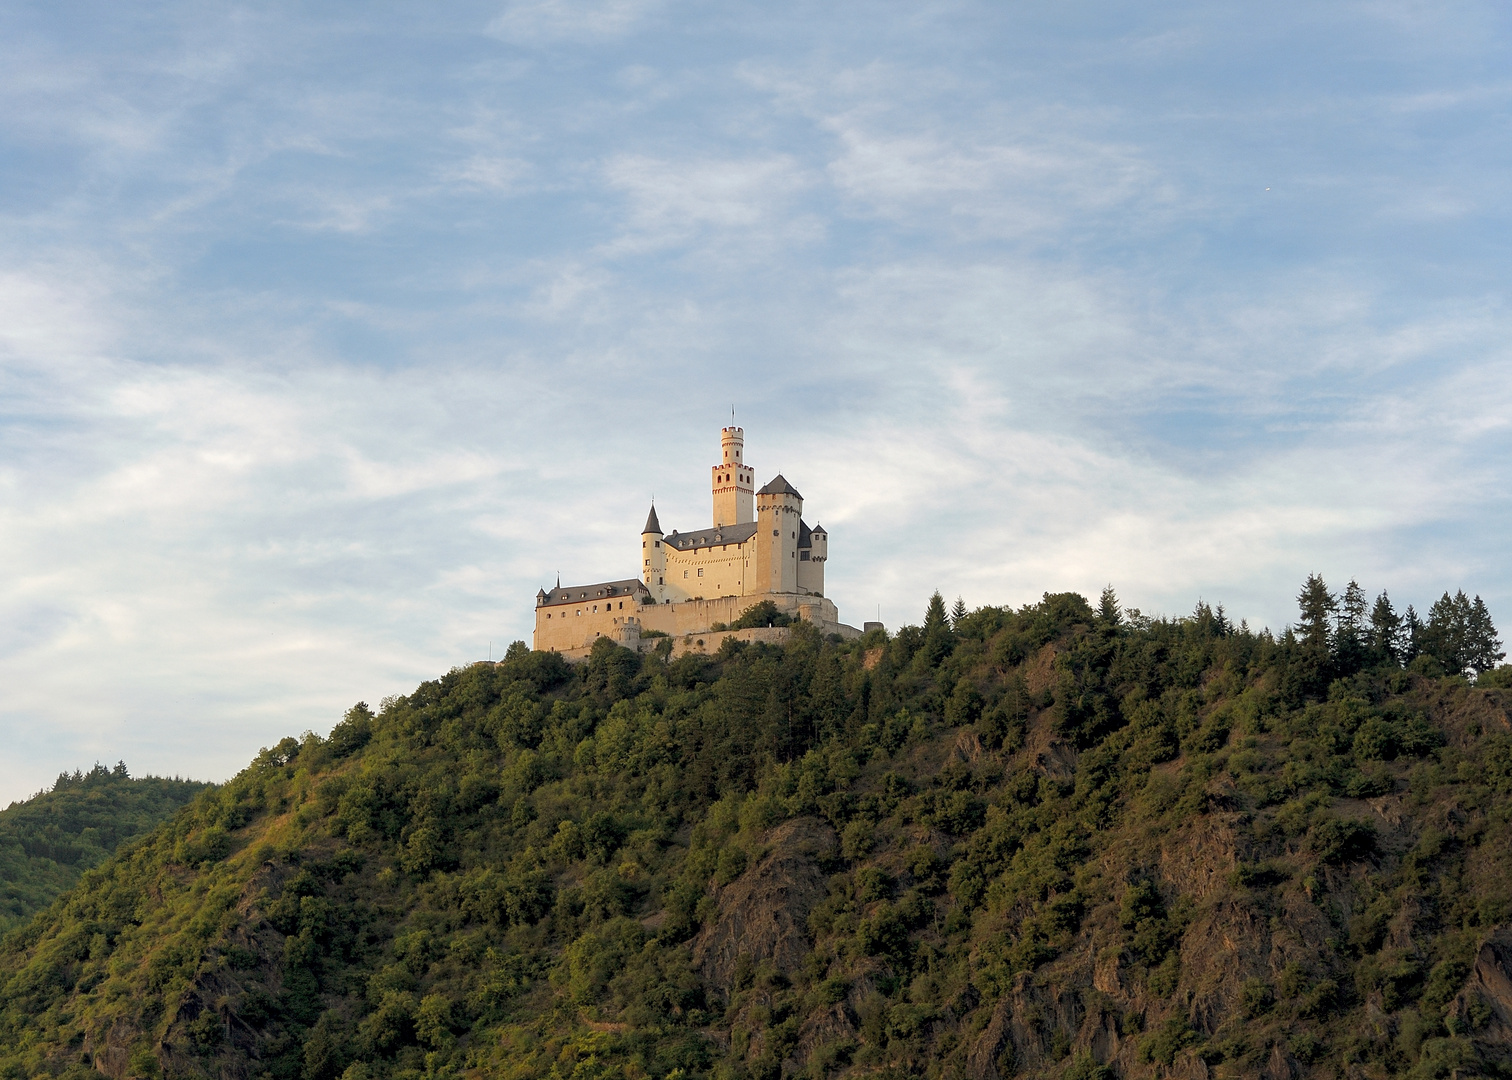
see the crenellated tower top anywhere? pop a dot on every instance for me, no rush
(732, 441)
(734, 483)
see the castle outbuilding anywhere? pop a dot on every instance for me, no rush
(757, 547)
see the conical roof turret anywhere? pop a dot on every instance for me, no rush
(780, 486)
(652, 525)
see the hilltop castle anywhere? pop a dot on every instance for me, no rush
(757, 548)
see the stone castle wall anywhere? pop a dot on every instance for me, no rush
(575, 632)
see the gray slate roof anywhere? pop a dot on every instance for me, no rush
(710, 537)
(780, 486)
(629, 588)
(652, 525)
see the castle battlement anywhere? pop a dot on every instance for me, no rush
(758, 547)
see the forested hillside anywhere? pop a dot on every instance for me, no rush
(1060, 841)
(47, 841)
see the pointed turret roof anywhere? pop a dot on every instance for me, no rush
(780, 486)
(652, 525)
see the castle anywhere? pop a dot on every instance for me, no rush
(758, 547)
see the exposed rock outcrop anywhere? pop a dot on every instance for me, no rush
(763, 913)
(1484, 1006)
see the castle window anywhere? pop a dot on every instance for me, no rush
(700, 571)
(685, 573)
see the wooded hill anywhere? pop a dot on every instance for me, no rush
(50, 839)
(1060, 841)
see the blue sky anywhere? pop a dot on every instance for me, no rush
(329, 334)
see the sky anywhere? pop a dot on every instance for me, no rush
(330, 333)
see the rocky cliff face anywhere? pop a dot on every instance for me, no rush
(762, 919)
(1483, 1007)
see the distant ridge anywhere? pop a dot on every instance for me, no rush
(47, 841)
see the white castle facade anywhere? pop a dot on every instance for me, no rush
(756, 548)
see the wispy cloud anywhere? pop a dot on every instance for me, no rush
(670, 203)
(534, 21)
(326, 339)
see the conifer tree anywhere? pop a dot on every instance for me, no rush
(1483, 649)
(1315, 636)
(1383, 637)
(1349, 644)
(1352, 608)
(1460, 635)
(1317, 605)
(1444, 636)
(934, 615)
(1412, 635)
(1109, 614)
(938, 638)
(957, 613)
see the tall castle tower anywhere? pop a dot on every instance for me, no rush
(779, 517)
(654, 558)
(734, 482)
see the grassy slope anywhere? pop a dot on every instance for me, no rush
(47, 841)
(1060, 844)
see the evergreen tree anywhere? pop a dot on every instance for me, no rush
(1318, 605)
(1202, 618)
(1483, 649)
(957, 613)
(1383, 637)
(938, 638)
(934, 615)
(1411, 635)
(1444, 636)
(1460, 635)
(1109, 614)
(1314, 637)
(1349, 638)
(1352, 608)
